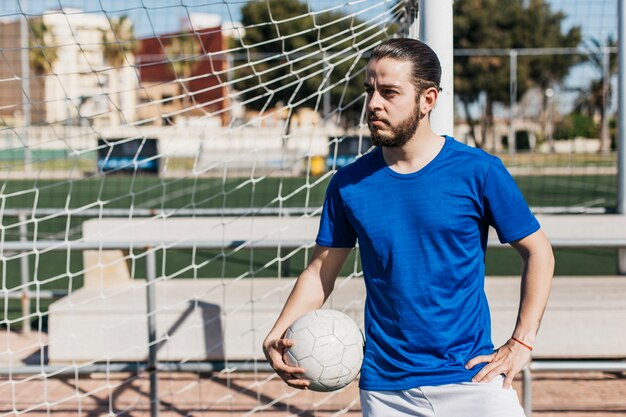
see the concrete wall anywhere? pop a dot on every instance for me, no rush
(214, 319)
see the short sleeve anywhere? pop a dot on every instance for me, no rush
(505, 207)
(335, 229)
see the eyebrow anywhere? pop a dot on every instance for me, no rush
(366, 84)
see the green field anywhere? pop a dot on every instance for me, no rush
(118, 191)
(52, 270)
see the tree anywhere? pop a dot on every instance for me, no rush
(575, 124)
(481, 24)
(118, 43)
(182, 52)
(549, 70)
(594, 99)
(42, 56)
(507, 25)
(290, 59)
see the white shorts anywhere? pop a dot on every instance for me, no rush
(466, 399)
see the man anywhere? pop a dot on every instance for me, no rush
(420, 206)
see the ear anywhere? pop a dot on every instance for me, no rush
(428, 100)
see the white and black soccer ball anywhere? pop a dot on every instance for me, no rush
(329, 347)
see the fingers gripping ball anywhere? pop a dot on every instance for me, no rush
(328, 346)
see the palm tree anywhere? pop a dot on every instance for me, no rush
(42, 56)
(181, 51)
(118, 43)
(596, 97)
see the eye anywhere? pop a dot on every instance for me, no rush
(389, 92)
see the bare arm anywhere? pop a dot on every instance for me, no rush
(536, 252)
(312, 288)
(509, 359)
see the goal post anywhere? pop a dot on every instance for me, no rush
(435, 28)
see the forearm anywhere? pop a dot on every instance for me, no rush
(308, 294)
(312, 288)
(534, 292)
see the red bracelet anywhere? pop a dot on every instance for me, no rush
(523, 344)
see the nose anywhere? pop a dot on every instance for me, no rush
(374, 101)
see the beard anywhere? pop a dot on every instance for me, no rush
(397, 135)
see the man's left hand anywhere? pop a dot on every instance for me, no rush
(508, 360)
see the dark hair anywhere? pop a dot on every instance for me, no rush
(426, 66)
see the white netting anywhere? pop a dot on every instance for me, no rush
(536, 83)
(203, 133)
(164, 123)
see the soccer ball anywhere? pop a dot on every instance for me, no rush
(328, 346)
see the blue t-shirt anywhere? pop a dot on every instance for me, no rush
(422, 238)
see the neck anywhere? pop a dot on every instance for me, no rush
(417, 152)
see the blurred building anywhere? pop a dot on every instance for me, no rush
(11, 99)
(182, 74)
(76, 86)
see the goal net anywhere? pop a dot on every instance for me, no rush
(163, 164)
(162, 167)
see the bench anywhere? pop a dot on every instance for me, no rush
(106, 268)
(209, 319)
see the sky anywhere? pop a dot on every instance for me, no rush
(155, 16)
(597, 17)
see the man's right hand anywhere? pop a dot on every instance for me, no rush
(312, 288)
(274, 350)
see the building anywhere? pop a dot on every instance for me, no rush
(12, 97)
(76, 86)
(182, 74)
